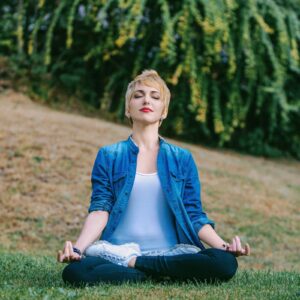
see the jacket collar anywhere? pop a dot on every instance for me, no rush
(135, 147)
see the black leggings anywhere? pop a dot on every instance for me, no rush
(208, 265)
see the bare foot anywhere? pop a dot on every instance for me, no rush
(131, 263)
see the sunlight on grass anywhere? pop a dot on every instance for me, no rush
(39, 277)
(46, 161)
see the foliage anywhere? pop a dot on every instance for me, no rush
(233, 67)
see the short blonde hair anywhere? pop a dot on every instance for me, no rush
(149, 78)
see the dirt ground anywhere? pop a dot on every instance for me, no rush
(46, 157)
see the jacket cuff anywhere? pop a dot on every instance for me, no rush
(104, 206)
(200, 223)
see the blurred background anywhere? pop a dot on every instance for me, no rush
(233, 68)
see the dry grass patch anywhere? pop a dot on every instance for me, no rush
(46, 158)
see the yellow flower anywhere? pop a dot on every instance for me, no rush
(120, 41)
(41, 3)
(218, 46)
(294, 51)
(176, 75)
(201, 116)
(106, 56)
(208, 28)
(69, 42)
(30, 47)
(266, 28)
(219, 127)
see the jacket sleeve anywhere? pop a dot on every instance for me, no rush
(192, 196)
(102, 194)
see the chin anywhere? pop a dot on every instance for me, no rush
(146, 122)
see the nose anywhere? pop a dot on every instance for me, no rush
(147, 99)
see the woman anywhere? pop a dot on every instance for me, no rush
(146, 207)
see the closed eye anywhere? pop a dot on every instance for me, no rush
(139, 96)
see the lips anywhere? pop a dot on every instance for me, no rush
(146, 109)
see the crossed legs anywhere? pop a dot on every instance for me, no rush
(208, 265)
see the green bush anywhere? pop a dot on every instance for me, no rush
(233, 67)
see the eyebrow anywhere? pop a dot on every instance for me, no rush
(144, 92)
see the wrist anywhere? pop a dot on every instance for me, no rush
(225, 246)
(79, 246)
(76, 250)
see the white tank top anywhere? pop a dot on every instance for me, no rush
(147, 220)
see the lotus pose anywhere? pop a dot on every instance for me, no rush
(145, 216)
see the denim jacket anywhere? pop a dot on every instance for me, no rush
(113, 176)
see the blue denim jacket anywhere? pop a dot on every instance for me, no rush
(113, 176)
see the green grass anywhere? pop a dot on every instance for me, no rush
(25, 276)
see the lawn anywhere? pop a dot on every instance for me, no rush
(46, 157)
(25, 276)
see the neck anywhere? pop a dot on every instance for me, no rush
(147, 140)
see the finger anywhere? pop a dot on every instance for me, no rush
(61, 257)
(233, 245)
(229, 248)
(70, 248)
(67, 252)
(238, 245)
(247, 249)
(77, 256)
(65, 246)
(73, 255)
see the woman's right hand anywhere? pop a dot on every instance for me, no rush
(68, 255)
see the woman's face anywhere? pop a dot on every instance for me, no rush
(149, 98)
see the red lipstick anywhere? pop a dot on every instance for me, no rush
(146, 109)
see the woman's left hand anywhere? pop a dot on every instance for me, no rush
(236, 247)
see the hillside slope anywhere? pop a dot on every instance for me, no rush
(46, 158)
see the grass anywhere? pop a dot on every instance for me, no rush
(46, 158)
(27, 276)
